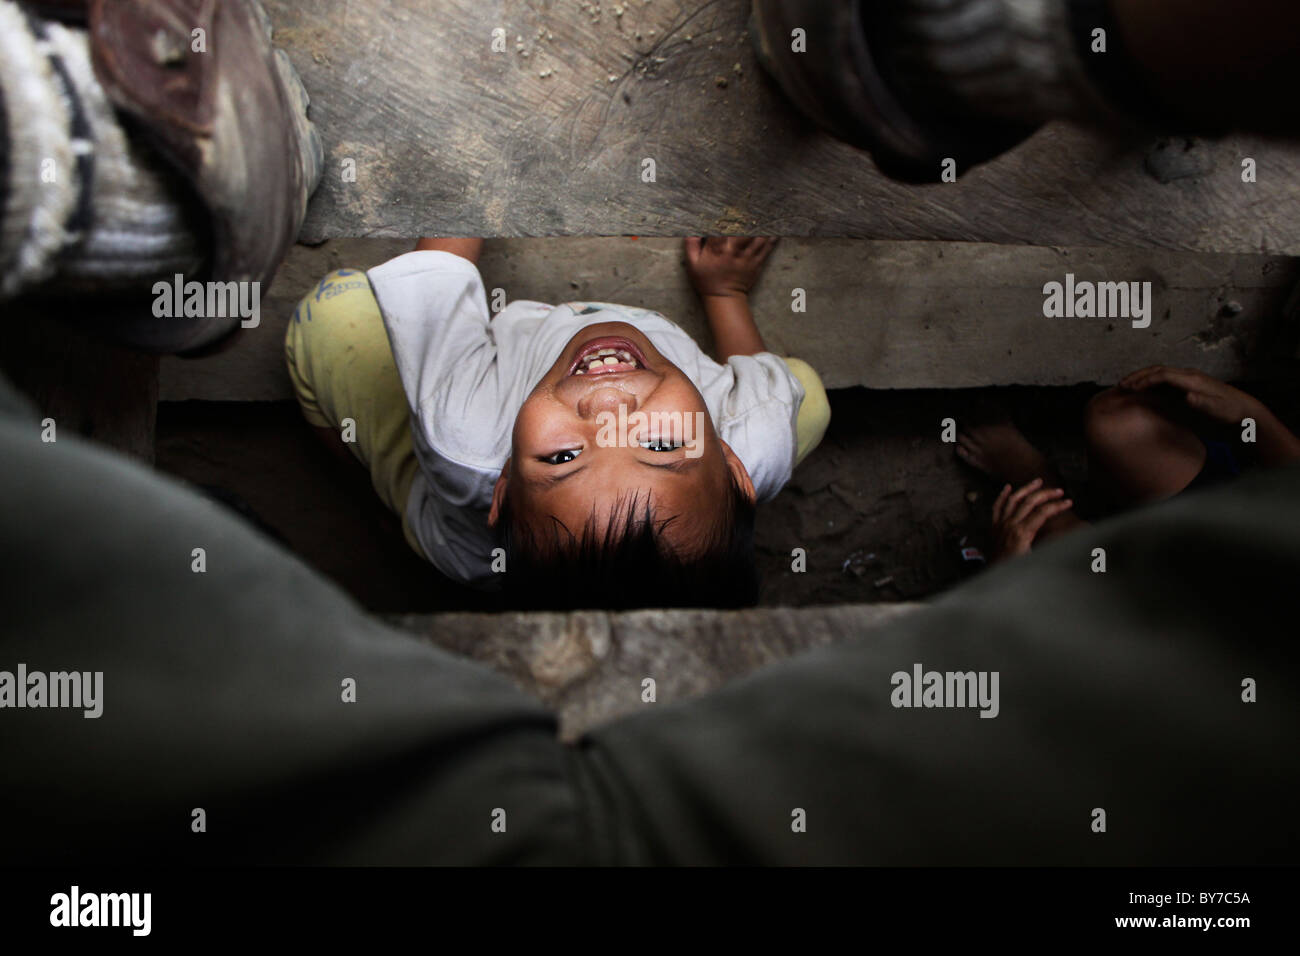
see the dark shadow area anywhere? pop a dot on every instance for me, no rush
(882, 509)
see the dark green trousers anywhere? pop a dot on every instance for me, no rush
(223, 691)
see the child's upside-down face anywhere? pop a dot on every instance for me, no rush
(613, 418)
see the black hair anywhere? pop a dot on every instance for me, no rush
(628, 563)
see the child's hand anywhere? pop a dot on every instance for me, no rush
(726, 265)
(1214, 399)
(1019, 515)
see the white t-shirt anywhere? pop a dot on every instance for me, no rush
(467, 373)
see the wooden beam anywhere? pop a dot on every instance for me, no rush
(549, 137)
(887, 315)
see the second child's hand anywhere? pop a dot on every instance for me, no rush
(1019, 514)
(723, 270)
(1216, 400)
(1222, 403)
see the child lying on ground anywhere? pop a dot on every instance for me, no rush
(1161, 432)
(584, 455)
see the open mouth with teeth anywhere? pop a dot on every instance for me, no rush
(606, 356)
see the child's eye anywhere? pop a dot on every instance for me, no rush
(562, 457)
(660, 444)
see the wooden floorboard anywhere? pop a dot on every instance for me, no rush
(886, 315)
(447, 137)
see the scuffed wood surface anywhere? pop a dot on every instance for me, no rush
(896, 315)
(450, 138)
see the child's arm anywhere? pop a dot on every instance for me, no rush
(1275, 443)
(723, 270)
(465, 248)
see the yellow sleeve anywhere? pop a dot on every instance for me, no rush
(814, 413)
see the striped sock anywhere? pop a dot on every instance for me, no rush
(80, 201)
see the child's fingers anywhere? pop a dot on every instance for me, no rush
(1130, 380)
(1184, 378)
(694, 246)
(1018, 495)
(1027, 505)
(762, 248)
(1142, 381)
(1000, 503)
(1162, 375)
(1045, 513)
(1210, 405)
(1150, 377)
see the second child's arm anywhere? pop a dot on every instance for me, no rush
(723, 270)
(1218, 401)
(469, 249)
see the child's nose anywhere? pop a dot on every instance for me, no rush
(606, 400)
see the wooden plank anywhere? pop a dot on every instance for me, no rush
(902, 315)
(589, 665)
(448, 137)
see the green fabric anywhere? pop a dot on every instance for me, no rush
(1120, 691)
(222, 691)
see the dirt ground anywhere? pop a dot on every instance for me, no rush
(881, 508)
